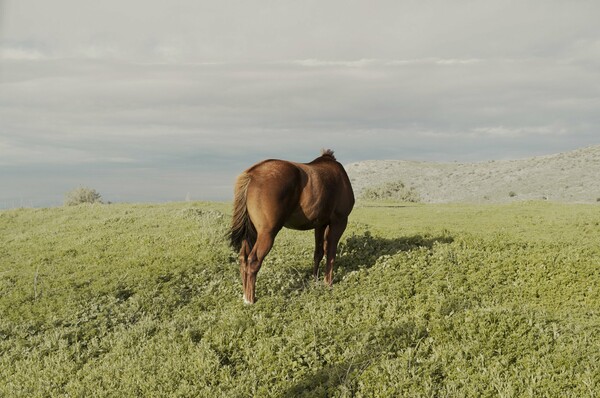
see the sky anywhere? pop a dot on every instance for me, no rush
(152, 101)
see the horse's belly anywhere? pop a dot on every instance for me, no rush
(302, 227)
(300, 222)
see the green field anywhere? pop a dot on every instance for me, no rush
(428, 300)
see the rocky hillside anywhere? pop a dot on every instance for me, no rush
(565, 177)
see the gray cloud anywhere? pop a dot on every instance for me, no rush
(146, 101)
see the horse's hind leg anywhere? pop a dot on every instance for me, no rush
(243, 257)
(264, 243)
(319, 249)
(334, 233)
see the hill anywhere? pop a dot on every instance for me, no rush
(428, 300)
(564, 177)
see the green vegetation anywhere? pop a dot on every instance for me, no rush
(428, 300)
(82, 195)
(392, 190)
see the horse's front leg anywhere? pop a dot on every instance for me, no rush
(334, 233)
(319, 249)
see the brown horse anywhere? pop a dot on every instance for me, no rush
(276, 193)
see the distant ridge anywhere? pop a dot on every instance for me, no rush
(564, 177)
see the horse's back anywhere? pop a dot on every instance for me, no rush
(298, 195)
(275, 175)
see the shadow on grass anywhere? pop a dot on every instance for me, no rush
(326, 380)
(360, 252)
(354, 253)
(363, 251)
(341, 378)
(385, 206)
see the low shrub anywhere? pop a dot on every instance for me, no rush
(82, 195)
(392, 190)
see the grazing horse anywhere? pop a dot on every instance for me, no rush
(274, 194)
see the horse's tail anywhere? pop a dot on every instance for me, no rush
(241, 226)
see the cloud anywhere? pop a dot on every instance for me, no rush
(98, 52)
(109, 106)
(517, 132)
(138, 89)
(27, 153)
(16, 53)
(329, 63)
(364, 63)
(458, 61)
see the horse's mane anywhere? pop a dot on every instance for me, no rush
(327, 153)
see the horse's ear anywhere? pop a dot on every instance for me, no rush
(327, 152)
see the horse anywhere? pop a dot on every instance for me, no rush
(273, 194)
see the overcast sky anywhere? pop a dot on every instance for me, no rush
(158, 100)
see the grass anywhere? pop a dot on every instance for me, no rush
(428, 300)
